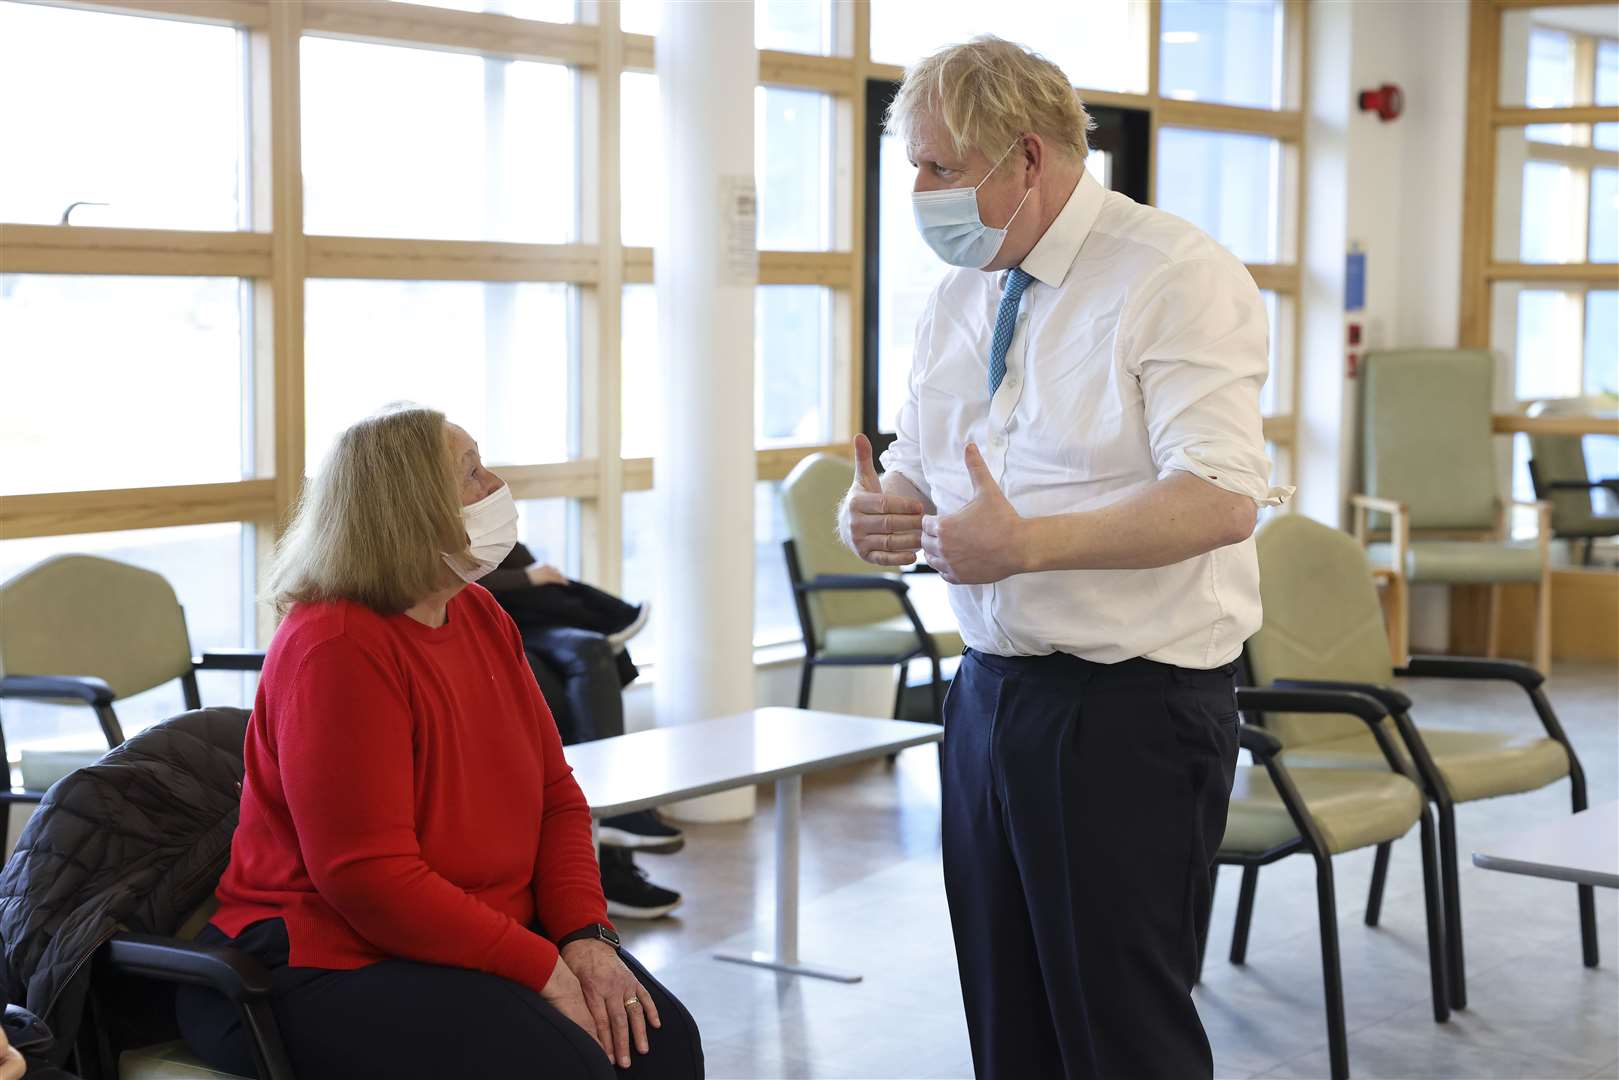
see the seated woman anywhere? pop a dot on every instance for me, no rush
(413, 860)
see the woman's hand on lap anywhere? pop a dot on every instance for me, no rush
(609, 988)
(565, 994)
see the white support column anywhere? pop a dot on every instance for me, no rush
(705, 270)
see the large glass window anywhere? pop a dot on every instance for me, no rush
(546, 10)
(142, 115)
(1227, 184)
(1555, 194)
(211, 570)
(495, 357)
(775, 619)
(1223, 51)
(640, 135)
(792, 334)
(792, 373)
(789, 25)
(1548, 344)
(640, 373)
(792, 155)
(793, 25)
(436, 145)
(549, 529)
(1556, 57)
(1100, 45)
(1602, 342)
(120, 382)
(909, 271)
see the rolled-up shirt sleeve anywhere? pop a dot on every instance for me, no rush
(904, 454)
(1196, 334)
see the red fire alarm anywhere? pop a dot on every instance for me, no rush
(1387, 101)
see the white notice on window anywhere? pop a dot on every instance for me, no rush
(739, 211)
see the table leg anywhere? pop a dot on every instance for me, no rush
(789, 799)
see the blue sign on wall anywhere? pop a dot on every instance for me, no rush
(1355, 281)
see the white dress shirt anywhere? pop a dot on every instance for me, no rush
(1140, 349)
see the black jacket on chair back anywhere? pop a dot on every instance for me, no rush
(134, 842)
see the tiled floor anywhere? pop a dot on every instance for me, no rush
(873, 901)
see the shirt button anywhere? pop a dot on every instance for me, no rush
(999, 440)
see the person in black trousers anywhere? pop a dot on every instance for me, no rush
(1081, 456)
(575, 637)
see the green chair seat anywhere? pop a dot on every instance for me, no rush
(1463, 562)
(1353, 808)
(1475, 764)
(166, 1061)
(890, 637)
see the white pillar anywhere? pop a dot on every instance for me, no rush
(706, 269)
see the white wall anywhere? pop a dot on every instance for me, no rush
(1395, 190)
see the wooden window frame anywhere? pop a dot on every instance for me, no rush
(277, 256)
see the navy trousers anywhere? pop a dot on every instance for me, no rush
(1082, 807)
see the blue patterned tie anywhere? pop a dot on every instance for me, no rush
(1005, 322)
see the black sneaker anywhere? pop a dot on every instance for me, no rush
(641, 831)
(629, 894)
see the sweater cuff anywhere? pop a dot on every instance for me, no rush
(534, 959)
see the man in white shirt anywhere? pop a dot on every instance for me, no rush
(1081, 456)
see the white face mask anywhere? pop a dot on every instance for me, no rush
(491, 525)
(949, 222)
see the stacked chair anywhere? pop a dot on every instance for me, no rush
(1348, 766)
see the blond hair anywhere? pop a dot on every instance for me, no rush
(373, 525)
(988, 93)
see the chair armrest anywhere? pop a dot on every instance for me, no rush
(1258, 742)
(1469, 667)
(228, 971)
(1267, 699)
(230, 660)
(1579, 485)
(853, 582)
(1390, 698)
(85, 688)
(1376, 502)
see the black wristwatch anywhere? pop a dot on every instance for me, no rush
(594, 932)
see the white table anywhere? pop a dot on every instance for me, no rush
(651, 768)
(1582, 848)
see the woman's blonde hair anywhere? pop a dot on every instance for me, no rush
(988, 93)
(373, 525)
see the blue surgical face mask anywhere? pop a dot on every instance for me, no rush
(949, 222)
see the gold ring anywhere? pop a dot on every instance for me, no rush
(631, 1001)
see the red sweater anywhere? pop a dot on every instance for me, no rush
(406, 796)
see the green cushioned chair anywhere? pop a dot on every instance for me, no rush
(1558, 470)
(851, 612)
(78, 629)
(1429, 477)
(1277, 811)
(1323, 629)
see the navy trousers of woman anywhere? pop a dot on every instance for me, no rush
(1082, 807)
(402, 1020)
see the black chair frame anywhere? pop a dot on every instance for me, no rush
(94, 692)
(225, 970)
(1545, 488)
(1265, 747)
(860, 583)
(1438, 791)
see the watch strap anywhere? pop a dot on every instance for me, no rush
(594, 932)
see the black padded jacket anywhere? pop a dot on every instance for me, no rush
(135, 842)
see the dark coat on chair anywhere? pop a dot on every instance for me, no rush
(134, 842)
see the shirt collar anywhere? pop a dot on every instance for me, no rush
(1055, 251)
